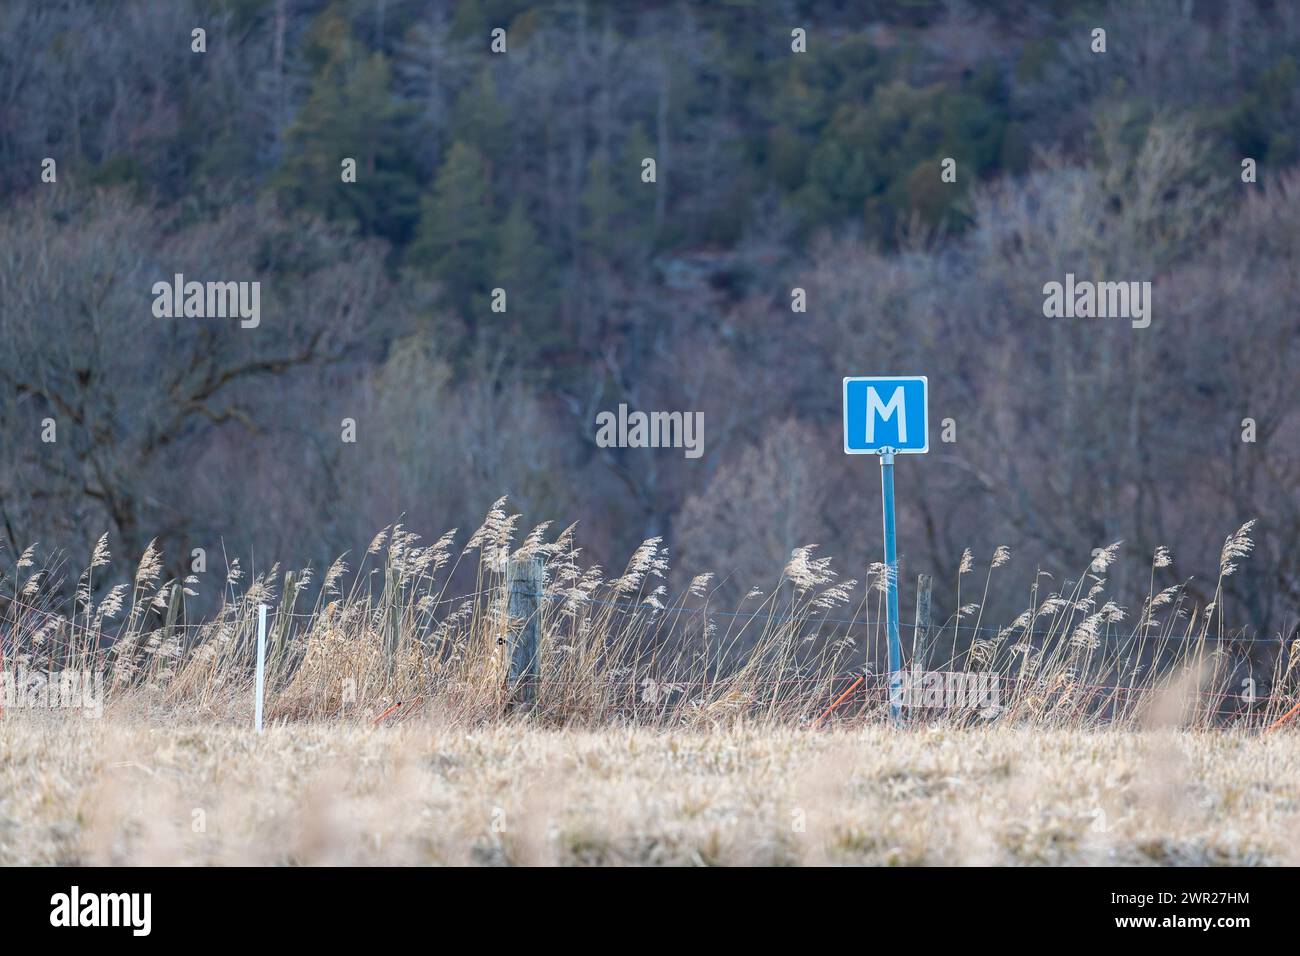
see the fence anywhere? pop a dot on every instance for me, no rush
(526, 600)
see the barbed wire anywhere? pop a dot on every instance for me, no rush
(936, 630)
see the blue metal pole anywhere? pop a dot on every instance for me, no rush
(891, 582)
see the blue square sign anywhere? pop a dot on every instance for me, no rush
(886, 412)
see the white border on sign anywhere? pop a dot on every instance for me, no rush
(844, 412)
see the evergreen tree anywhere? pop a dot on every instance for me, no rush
(523, 268)
(601, 206)
(455, 240)
(480, 118)
(519, 260)
(352, 112)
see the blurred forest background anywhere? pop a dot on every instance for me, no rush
(775, 170)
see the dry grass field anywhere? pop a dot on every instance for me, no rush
(653, 730)
(116, 791)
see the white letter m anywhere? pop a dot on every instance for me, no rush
(894, 407)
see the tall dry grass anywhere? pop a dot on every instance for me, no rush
(392, 636)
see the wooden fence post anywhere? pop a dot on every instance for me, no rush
(921, 633)
(173, 612)
(392, 619)
(524, 579)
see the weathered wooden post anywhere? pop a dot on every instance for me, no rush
(524, 579)
(173, 612)
(283, 621)
(259, 680)
(392, 618)
(921, 632)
